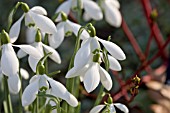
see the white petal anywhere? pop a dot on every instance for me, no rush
(92, 77)
(114, 64)
(112, 108)
(122, 107)
(9, 61)
(43, 82)
(92, 9)
(33, 63)
(77, 71)
(14, 84)
(114, 3)
(30, 50)
(54, 56)
(65, 7)
(97, 109)
(30, 35)
(83, 55)
(86, 17)
(60, 91)
(57, 38)
(75, 28)
(21, 54)
(113, 49)
(94, 44)
(43, 23)
(15, 30)
(105, 78)
(24, 73)
(39, 10)
(112, 15)
(34, 78)
(30, 92)
(28, 19)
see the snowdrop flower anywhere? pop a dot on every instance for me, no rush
(9, 61)
(90, 7)
(40, 47)
(89, 69)
(33, 17)
(65, 27)
(111, 11)
(109, 107)
(24, 73)
(42, 81)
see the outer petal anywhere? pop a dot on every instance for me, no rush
(86, 17)
(28, 19)
(112, 15)
(92, 9)
(21, 54)
(76, 71)
(30, 92)
(114, 64)
(43, 23)
(54, 56)
(94, 44)
(83, 55)
(92, 77)
(30, 35)
(39, 10)
(105, 78)
(60, 91)
(30, 50)
(122, 107)
(112, 108)
(75, 28)
(24, 73)
(9, 61)
(14, 84)
(115, 3)
(43, 82)
(97, 109)
(65, 7)
(15, 30)
(57, 38)
(33, 63)
(113, 49)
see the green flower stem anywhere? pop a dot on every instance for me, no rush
(20, 95)
(7, 96)
(79, 11)
(46, 61)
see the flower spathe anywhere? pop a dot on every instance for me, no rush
(57, 89)
(111, 108)
(91, 8)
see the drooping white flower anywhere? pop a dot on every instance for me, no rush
(36, 17)
(10, 64)
(91, 72)
(57, 89)
(90, 7)
(111, 12)
(111, 108)
(40, 47)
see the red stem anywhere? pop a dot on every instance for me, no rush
(149, 44)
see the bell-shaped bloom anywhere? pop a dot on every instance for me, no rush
(110, 108)
(43, 81)
(10, 64)
(111, 12)
(36, 17)
(91, 72)
(65, 28)
(91, 8)
(40, 47)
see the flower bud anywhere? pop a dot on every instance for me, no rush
(4, 37)
(38, 36)
(25, 7)
(110, 100)
(154, 15)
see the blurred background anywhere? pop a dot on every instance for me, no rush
(153, 92)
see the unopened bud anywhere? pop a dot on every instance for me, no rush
(63, 16)
(38, 36)
(154, 14)
(5, 37)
